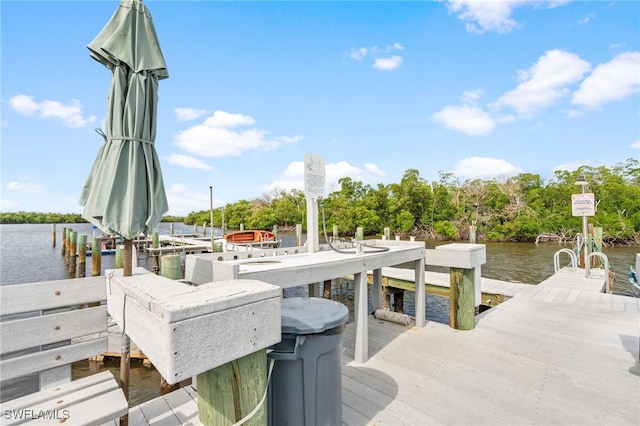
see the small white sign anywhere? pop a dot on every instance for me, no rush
(583, 204)
(314, 180)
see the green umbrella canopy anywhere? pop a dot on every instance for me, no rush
(124, 193)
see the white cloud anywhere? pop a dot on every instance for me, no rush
(482, 16)
(182, 201)
(485, 16)
(388, 64)
(635, 145)
(28, 188)
(225, 119)
(187, 162)
(587, 18)
(383, 60)
(467, 119)
(471, 96)
(70, 115)
(545, 82)
(374, 170)
(484, 168)
(358, 54)
(218, 136)
(187, 114)
(610, 81)
(571, 166)
(9, 206)
(293, 176)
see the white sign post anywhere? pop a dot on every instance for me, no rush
(584, 205)
(314, 182)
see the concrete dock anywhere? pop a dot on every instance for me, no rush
(560, 352)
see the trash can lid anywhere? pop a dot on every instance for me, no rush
(310, 315)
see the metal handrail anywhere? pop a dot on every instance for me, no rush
(572, 256)
(605, 261)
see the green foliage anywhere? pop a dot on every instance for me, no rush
(494, 236)
(446, 230)
(519, 208)
(169, 218)
(35, 217)
(404, 221)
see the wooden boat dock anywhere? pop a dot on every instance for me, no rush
(555, 353)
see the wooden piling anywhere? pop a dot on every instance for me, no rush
(462, 306)
(228, 393)
(386, 298)
(82, 256)
(73, 241)
(67, 233)
(53, 234)
(326, 291)
(398, 301)
(335, 232)
(170, 266)
(96, 257)
(155, 260)
(204, 228)
(63, 243)
(119, 256)
(472, 234)
(387, 233)
(298, 235)
(359, 233)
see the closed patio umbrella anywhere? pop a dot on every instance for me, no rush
(124, 193)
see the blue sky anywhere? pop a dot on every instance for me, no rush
(479, 89)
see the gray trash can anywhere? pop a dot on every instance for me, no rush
(306, 382)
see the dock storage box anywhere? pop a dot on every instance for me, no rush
(186, 330)
(306, 384)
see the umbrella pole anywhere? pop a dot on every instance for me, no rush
(128, 256)
(125, 347)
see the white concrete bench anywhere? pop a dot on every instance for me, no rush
(45, 327)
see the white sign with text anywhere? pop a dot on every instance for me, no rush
(314, 180)
(583, 204)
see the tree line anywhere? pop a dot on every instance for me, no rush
(518, 208)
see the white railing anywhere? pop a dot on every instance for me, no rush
(605, 261)
(572, 256)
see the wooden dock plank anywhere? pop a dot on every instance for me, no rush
(155, 412)
(183, 406)
(551, 354)
(631, 304)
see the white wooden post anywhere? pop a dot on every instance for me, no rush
(421, 303)
(313, 244)
(360, 317)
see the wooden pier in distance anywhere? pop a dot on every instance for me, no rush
(560, 352)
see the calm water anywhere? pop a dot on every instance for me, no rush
(27, 254)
